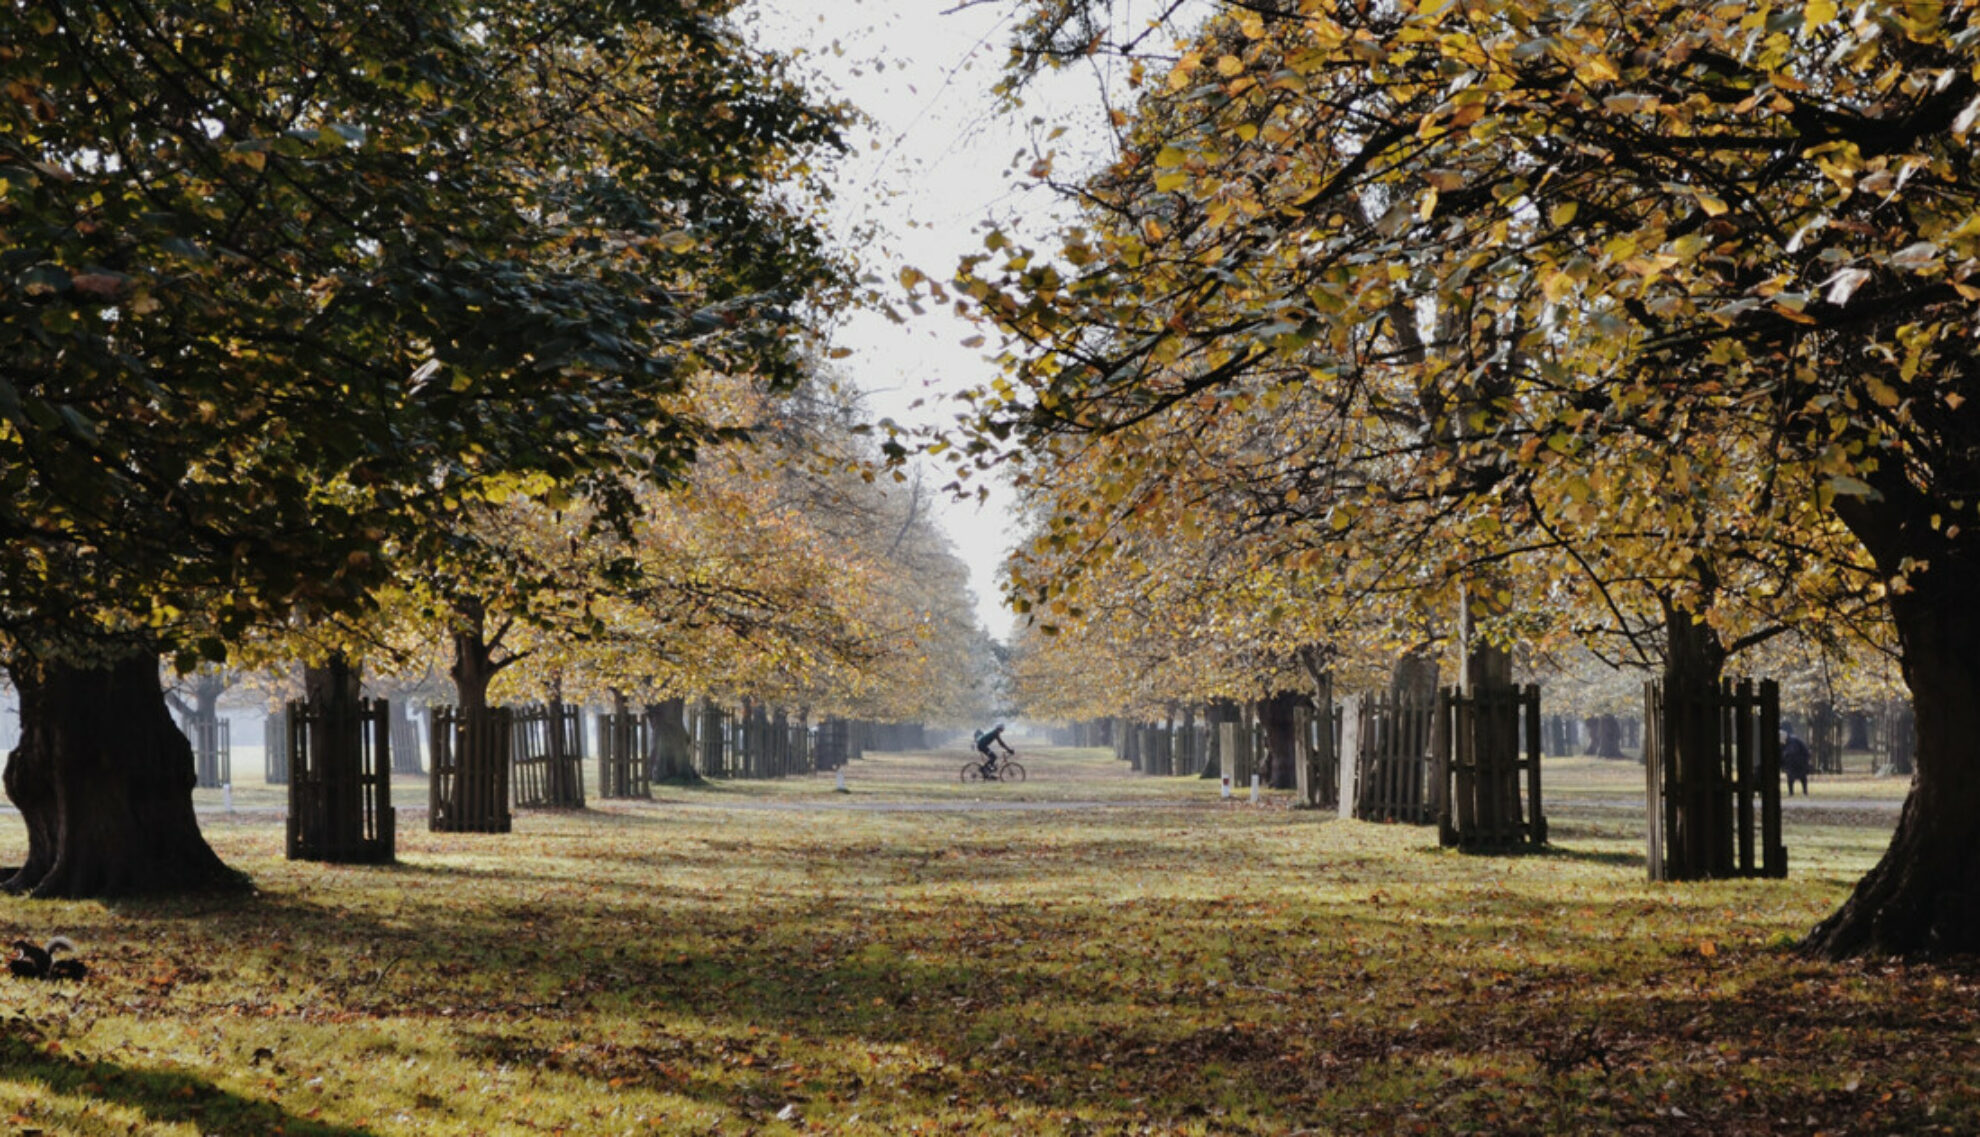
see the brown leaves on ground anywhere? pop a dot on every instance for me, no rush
(1169, 968)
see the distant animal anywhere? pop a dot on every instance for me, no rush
(32, 962)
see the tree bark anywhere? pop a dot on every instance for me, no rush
(1698, 832)
(669, 749)
(1415, 676)
(104, 780)
(1281, 738)
(1604, 736)
(566, 768)
(1923, 897)
(474, 668)
(1857, 731)
(1220, 711)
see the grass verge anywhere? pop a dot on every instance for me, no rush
(920, 956)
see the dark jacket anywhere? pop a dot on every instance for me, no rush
(1795, 758)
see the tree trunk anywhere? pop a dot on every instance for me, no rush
(566, 765)
(1281, 739)
(1858, 735)
(481, 762)
(1698, 834)
(1220, 711)
(669, 749)
(1604, 736)
(1923, 897)
(1415, 677)
(207, 689)
(104, 781)
(1900, 737)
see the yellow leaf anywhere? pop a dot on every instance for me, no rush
(1597, 68)
(1230, 66)
(1817, 13)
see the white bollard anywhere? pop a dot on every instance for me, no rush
(1227, 787)
(841, 771)
(227, 796)
(1254, 789)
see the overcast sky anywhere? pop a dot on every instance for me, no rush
(940, 157)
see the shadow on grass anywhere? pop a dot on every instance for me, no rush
(1557, 853)
(163, 1097)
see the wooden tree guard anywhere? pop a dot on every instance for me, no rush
(468, 789)
(856, 742)
(213, 751)
(797, 744)
(778, 744)
(1317, 738)
(1825, 738)
(829, 748)
(275, 748)
(711, 740)
(340, 781)
(1487, 744)
(1155, 750)
(622, 754)
(405, 743)
(1234, 752)
(1900, 736)
(1394, 775)
(1709, 762)
(741, 735)
(547, 757)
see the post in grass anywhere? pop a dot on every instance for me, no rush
(1254, 789)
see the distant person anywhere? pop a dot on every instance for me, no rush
(983, 740)
(1795, 760)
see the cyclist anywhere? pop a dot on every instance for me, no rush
(983, 740)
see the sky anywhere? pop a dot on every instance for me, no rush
(939, 157)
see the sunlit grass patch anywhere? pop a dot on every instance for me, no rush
(771, 957)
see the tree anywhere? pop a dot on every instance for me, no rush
(287, 284)
(1619, 232)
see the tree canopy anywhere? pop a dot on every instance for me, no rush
(287, 282)
(1668, 305)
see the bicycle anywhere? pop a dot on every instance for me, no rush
(1006, 770)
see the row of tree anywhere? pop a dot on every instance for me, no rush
(345, 328)
(1639, 325)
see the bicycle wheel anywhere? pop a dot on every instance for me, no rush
(1010, 771)
(971, 772)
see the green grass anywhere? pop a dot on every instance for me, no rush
(715, 961)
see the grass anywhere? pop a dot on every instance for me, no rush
(772, 958)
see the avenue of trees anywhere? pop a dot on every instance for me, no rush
(1648, 325)
(337, 329)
